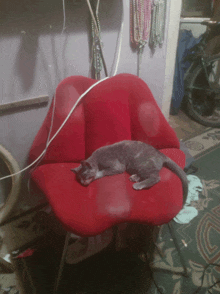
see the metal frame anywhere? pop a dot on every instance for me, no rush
(182, 260)
(62, 261)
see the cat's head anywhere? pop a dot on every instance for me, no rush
(85, 173)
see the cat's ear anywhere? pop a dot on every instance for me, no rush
(85, 163)
(76, 169)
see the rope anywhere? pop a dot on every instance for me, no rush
(118, 48)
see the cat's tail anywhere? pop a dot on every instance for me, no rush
(170, 164)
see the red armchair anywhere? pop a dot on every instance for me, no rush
(119, 108)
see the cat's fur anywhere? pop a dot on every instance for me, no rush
(142, 161)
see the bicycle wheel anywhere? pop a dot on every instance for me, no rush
(9, 188)
(202, 87)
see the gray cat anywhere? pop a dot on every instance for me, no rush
(142, 161)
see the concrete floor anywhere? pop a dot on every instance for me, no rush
(184, 127)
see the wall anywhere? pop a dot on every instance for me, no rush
(35, 57)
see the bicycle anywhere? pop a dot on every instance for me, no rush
(202, 80)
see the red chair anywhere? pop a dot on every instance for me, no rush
(119, 108)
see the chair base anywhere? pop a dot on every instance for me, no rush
(60, 271)
(182, 260)
(171, 230)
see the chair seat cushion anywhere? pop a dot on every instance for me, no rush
(88, 211)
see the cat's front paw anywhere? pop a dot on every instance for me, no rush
(134, 178)
(138, 186)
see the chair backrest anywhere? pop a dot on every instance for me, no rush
(120, 108)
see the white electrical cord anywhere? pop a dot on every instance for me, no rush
(53, 110)
(93, 17)
(119, 40)
(47, 143)
(64, 17)
(97, 8)
(97, 33)
(57, 132)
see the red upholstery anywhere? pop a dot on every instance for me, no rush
(119, 108)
